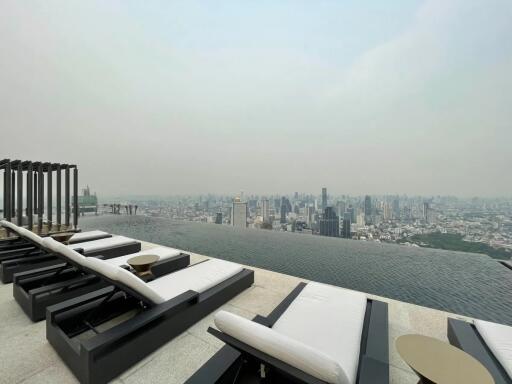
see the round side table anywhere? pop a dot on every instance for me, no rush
(441, 363)
(142, 264)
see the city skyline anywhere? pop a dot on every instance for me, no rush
(397, 97)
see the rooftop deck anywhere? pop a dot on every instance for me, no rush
(26, 356)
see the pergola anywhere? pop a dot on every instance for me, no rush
(15, 172)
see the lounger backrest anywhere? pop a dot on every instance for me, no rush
(11, 226)
(30, 236)
(64, 252)
(282, 347)
(126, 279)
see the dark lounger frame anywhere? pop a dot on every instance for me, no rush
(238, 362)
(465, 336)
(38, 289)
(107, 354)
(41, 259)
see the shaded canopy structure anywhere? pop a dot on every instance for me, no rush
(24, 192)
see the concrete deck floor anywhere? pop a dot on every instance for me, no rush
(26, 357)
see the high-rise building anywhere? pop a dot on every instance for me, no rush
(324, 198)
(396, 209)
(368, 210)
(340, 206)
(345, 229)
(310, 214)
(218, 218)
(352, 212)
(239, 214)
(265, 210)
(426, 212)
(329, 223)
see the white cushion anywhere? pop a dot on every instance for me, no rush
(100, 267)
(64, 251)
(132, 281)
(29, 235)
(89, 235)
(329, 319)
(162, 252)
(290, 351)
(498, 338)
(199, 278)
(98, 245)
(10, 225)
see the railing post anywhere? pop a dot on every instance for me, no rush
(7, 196)
(40, 198)
(49, 197)
(75, 198)
(30, 214)
(66, 198)
(59, 194)
(19, 197)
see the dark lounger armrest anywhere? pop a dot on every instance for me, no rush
(172, 264)
(36, 272)
(377, 345)
(464, 335)
(301, 376)
(139, 322)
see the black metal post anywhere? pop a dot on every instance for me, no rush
(7, 197)
(30, 214)
(36, 192)
(59, 194)
(13, 194)
(49, 205)
(40, 196)
(66, 198)
(4, 196)
(19, 197)
(75, 198)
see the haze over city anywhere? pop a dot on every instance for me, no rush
(176, 98)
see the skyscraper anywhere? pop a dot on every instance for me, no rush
(265, 210)
(396, 209)
(324, 198)
(218, 218)
(329, 223)
(345, 230)
(239, 214)
(368, 210)
(426, 212)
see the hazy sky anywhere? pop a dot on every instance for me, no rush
(173, 97)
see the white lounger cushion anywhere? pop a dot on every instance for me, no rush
(329, 319)
(282, 347)
(98, 245)
(25, 233)
(89, 235)
(498, 338)
(198, 278)
(162, 252)
(62, 249)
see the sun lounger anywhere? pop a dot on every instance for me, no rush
(489, 343)
(37, 289)
(97, 339)
(39, 257)
(318, 334)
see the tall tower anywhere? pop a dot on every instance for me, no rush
(265, 210)
(239, 214)
(330, 223)
(324, 198)
(368, 210)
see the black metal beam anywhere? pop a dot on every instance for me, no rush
(30, 214)
(36, 190)
(19, 197)
(13, 192)
(59, 195)
(75, 198)
(49, 205)
(40, 195)
(7, 196)
(66, 197)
